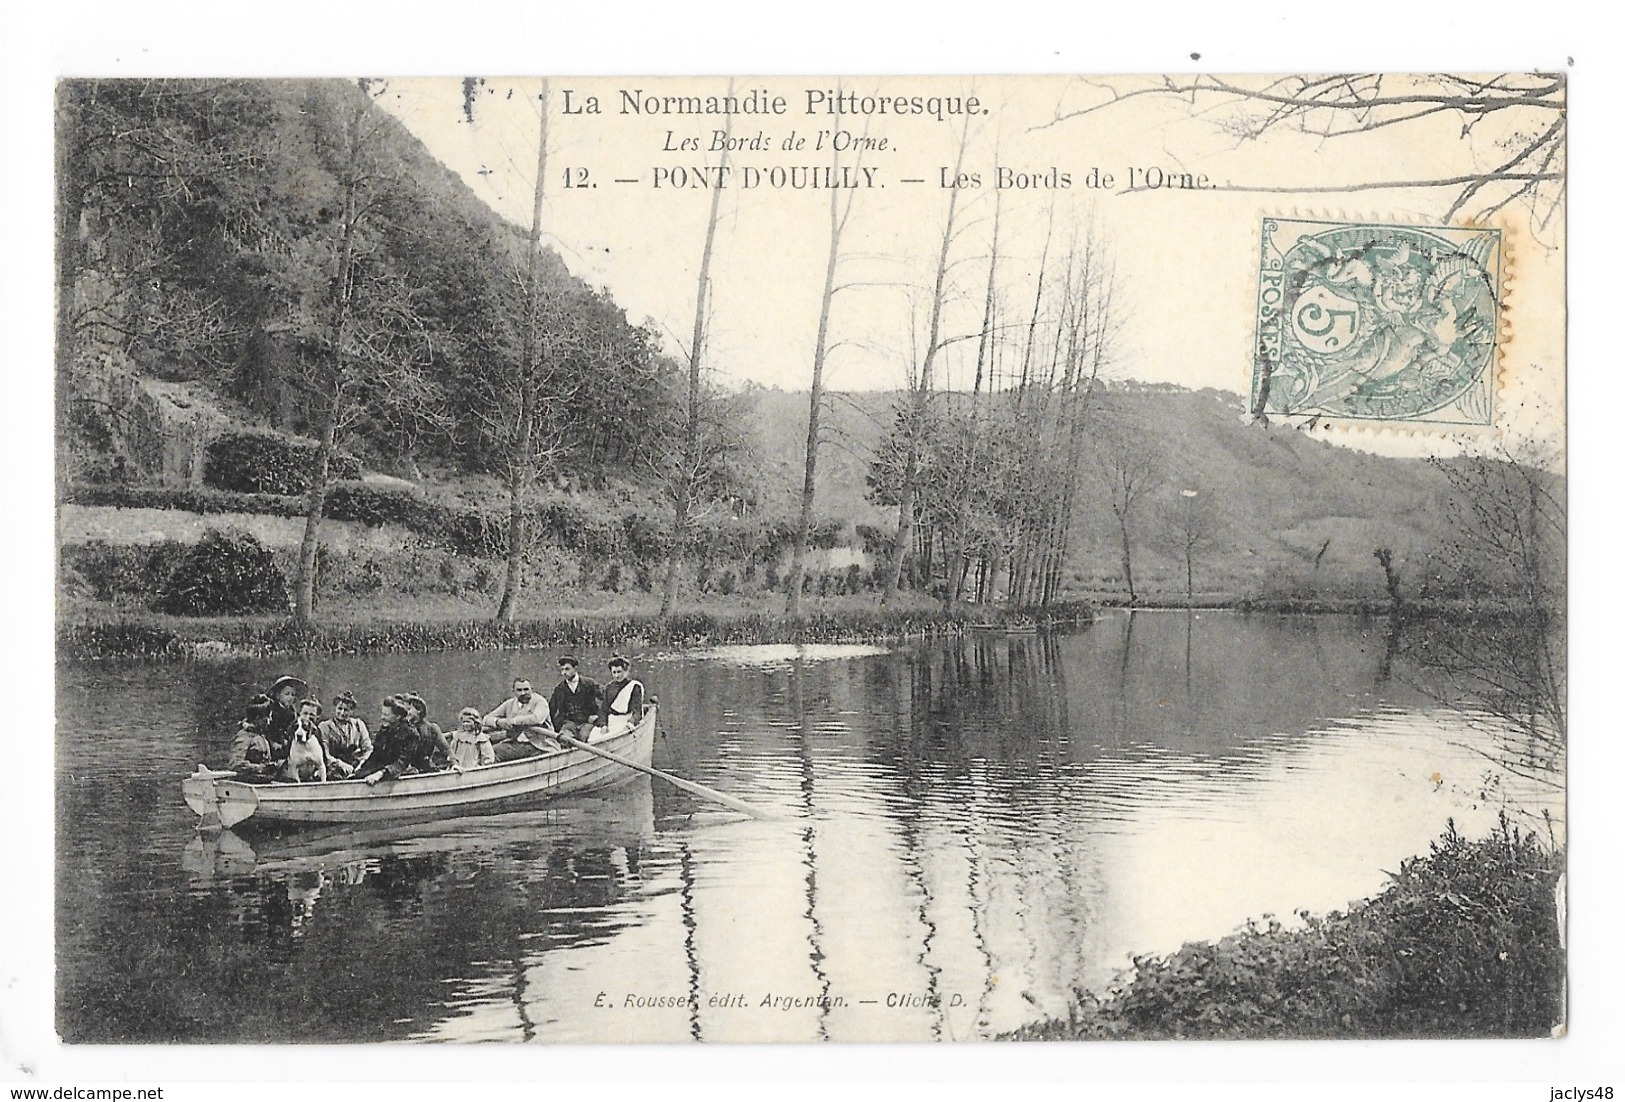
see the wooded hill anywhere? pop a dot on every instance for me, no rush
(284, 256)
(201, 225)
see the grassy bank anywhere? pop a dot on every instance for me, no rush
(1464, 942)
(151, 636)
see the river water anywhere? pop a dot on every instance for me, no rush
(970, 831)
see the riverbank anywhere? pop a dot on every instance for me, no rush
(1465, 942)
(152, 636)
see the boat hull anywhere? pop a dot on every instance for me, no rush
(226, 801)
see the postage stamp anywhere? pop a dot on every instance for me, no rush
(1376, 322)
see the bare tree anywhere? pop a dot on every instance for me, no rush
(528, 379)
(692, 460)
(1390, 577)
(1187, 518)
(1507, 558)
(1131, 471)
(838, 215)
(921, 384)
(1524, 116)
(357, 323)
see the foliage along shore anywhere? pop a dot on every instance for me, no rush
(152, 638)
(1465, 941)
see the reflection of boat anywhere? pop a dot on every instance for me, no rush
(620, 817)
(217, 853)
(221, 798)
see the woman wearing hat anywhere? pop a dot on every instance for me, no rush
(346, 738)
(440, 757)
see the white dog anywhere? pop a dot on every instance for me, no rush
(307, 760)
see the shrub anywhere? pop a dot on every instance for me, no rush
(111, 571)
(186, 500)
(1463, 943)
(647, 535)
(876, 543)
(447, 569)
(267, 463)
(224, 574)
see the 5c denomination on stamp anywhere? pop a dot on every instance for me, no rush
(1375, 322)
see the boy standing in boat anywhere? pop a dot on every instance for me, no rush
(576, 701)
(524, 716)
(623, 698)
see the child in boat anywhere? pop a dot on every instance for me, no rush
(470, 746)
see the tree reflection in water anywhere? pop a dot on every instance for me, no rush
(999, 818)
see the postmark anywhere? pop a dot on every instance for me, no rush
(1369, 322)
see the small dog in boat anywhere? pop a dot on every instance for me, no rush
(307, 758)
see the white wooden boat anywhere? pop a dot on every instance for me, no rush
(220, 799)
(602, 819)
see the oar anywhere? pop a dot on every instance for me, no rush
(669, 778)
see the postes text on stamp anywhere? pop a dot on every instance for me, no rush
(1375, 322)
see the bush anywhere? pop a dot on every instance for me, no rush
(114, 571)
(647, 534)
(267, 463)
(1463, 943)
(224, 574)
(202, 502)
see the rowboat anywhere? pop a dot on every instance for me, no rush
(220, 799)
(603, 819)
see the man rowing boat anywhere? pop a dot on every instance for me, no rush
(518, 723)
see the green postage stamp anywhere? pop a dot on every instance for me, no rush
(1376, 322)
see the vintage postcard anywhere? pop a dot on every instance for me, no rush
(603, 560)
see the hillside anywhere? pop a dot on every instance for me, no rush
(1275, 495)
(204, 226)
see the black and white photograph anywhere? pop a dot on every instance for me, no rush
(604, 560)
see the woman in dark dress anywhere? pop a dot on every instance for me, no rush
(440, 757)
(397, 747)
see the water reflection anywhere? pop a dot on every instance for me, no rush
(971, 831)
